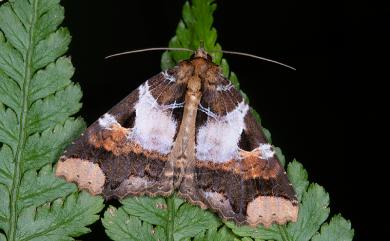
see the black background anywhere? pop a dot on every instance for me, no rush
(318, 114)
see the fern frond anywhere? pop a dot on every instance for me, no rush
(37, 100)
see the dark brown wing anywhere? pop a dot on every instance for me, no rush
(122, 153)
(237, 173)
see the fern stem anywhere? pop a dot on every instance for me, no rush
(171, 217)
(22, 129)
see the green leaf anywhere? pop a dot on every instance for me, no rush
(122, 226)
(257, 116)
(188, 220)
(267, 134)
(246, 239)
(223, 234)
(298, 177)
(194, 28)
(49, 49)
(11, 62)
(12, 26)
(151, 210)
(4, 208)
(312, 213)
(54, 109)
(59, 220)
(37, 100)
(259, 232)
(39, 188)
(8, 129)
(337, 229)
(9, 92)
(45, 147)
(54, 77)
(6, 167)
(280, 156)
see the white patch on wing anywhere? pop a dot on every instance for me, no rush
(169, 77)
(224, 87)
(107, 120)
(217, 140)
(266, 151)
(218, 200)
(154, 126)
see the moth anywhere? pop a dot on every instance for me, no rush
(187, 129)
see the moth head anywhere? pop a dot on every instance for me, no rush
(207, 72)
(201, 53)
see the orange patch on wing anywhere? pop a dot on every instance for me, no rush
(251, 166)
(254, 166)
(110, 139)
(115, 140)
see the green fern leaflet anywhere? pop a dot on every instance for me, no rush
(37, 100)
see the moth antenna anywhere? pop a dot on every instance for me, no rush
(254, 56)
(148, 49)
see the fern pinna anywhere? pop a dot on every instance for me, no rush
(37, 101)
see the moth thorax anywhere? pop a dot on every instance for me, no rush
(194, 84)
